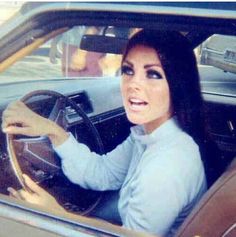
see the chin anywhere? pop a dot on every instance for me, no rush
(136, 120)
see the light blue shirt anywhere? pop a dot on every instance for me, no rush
(160, 176)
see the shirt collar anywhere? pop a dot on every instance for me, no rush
(161, 135)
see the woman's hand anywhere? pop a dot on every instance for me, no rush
(19, 119)
(35, 195)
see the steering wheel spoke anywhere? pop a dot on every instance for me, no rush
(37, 151)
(58, 113)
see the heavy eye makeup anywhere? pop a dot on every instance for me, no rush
(153, 74)
(150, 73)
(127, 70)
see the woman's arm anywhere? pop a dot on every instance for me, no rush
(82, 166)
(93, 171)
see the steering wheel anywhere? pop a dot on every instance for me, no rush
(35, 156)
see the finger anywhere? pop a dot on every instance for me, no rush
(26, 195)
(13, 118)
(16, 104)
(10, 116)
(11, 195)
(6, 115)
(32, 185)
(17, 130)
(14, 193)
(13, 105)
(4, 125)
(14, 109)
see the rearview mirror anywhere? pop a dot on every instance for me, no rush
(103, 44)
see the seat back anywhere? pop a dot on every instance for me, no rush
(215, 214)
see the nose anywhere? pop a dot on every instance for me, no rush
(135, 81)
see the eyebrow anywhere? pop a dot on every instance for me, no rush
(146, 66)
(152, 65)
(126, 61)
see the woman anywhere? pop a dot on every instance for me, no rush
(158, 168)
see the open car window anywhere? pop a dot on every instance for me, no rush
(219, 51)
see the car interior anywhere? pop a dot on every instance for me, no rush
(91, 108)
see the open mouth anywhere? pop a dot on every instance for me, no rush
(137, 103)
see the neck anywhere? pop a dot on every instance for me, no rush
(151, 126)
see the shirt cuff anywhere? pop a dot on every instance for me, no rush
(74, 157)
(64, 150)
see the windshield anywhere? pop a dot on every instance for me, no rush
(61, 57)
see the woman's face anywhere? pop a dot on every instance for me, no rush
(144, 88)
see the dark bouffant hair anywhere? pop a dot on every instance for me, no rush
(180, 67)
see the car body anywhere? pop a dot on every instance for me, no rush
(37, 53)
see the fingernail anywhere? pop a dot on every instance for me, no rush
(5, 130)
(9, 189)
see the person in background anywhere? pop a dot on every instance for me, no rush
(76, 62)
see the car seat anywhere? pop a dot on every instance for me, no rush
(215, 214)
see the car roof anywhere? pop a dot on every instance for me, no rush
(217, 9)
(194, 10)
